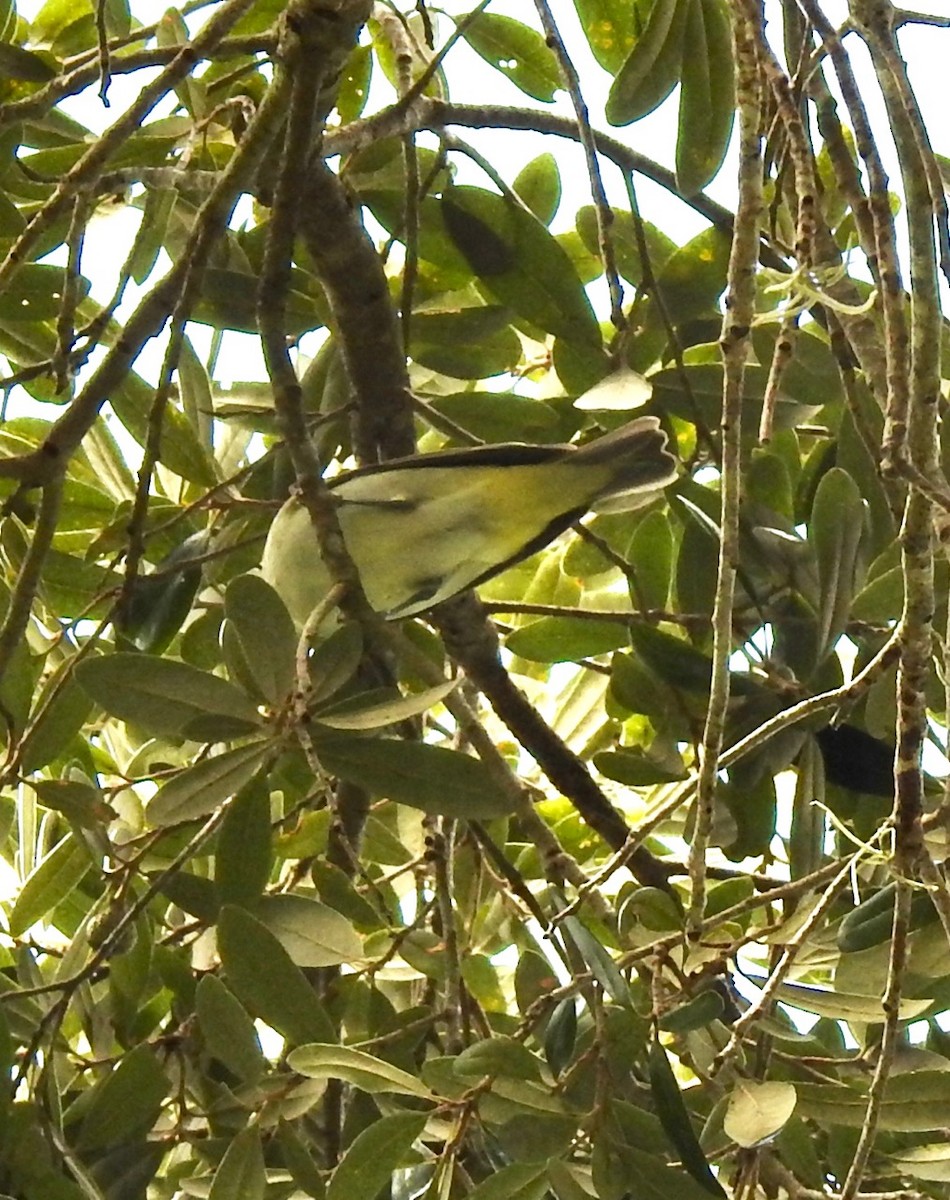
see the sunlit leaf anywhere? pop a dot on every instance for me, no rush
(518, 51)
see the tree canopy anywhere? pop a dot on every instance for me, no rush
(623, 878)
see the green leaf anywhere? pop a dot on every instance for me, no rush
(538, 183)
(436, 245)
(475, 342)
(244, 857)
(620, 1171)
(836, 530)
(299, 1161)
(156, 608)
(313, 934)
(264, 633)
(518, 51)
(364, 1071)
(566, 639)
(500, 416)
(930, 1163)
(168, 698)
(35, 292)
(913, 1103)
(49, 883)
(193, 894)
(80, 803)
(431, 778)
(354, 82)
(373, 1155)
(520, 263)
(17, 63)
(125, 1104)
(694, 276)
(675, 661)
(659, 246)
(650, 554)
(152, 231)
(228, 1031)
(199, 789)
(261, 974)
(652, 69)
(241, 1175)
(609, 26)
(8, 19)
(757, 1111)
(846, 1006)
(707, 95)
(229, 301)
(335, 661)
(356, 714)
(179, 447)
(697, 1013)
(51, 732)
(598, 959)
(675, 1119)
(560, 1036)
(516, 1181)
(499, 1056)
(633, 768)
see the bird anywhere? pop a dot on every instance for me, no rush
(424, 528)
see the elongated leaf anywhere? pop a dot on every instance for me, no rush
(245, 854)
(609, 27)
(362, 1070)
(427, 777)
(563, 639)
(520, 263)
(499, 1056)
(373, 1156)
(312, 933)
(166, 697)
(52, 881)
(516, 1181)
(299, 1161)
(265, 634)
(518, 51)
(694, 276)
(652, 69)
(228, 1031)
(335, 661)
(261, 974)
(180, 449)
(387, 712)
(659, 246)
(707, 96)
(836, 530)
(930, 1163)
(675, 1120)
(846, 1006)
(601, 965)
(79, 802)
(241, 1175)
(126, 1102)
(538, 183)
(474, 342)
(198, 790)
(36, 290)
(913, 1103)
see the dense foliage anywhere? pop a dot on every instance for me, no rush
(625, 880)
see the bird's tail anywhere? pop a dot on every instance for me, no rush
(639, 460)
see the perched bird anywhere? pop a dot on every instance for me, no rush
(424, 528)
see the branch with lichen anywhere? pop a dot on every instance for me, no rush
(734, 344)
